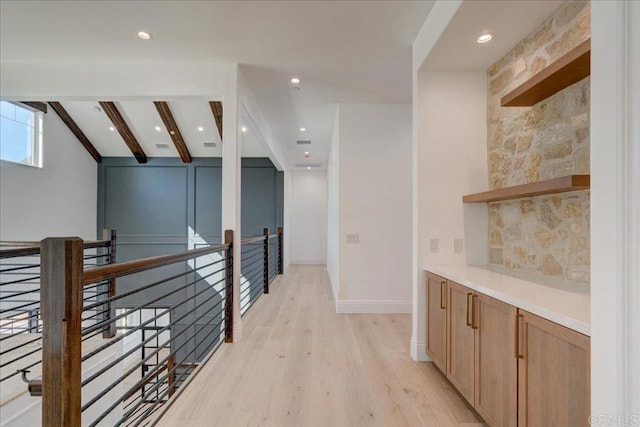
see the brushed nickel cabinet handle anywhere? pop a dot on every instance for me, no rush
(443, 294)
(469, 310)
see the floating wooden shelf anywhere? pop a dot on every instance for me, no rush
(569, 69)
(550, 186)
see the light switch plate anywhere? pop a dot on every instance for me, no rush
(434, 245)
(457, 246)
(353, 238)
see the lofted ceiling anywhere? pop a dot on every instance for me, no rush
(344, 52)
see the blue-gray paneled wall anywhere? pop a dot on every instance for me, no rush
(155, 206)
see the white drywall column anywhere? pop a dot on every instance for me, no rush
(435, 24)
(231, 188)
(615, 211)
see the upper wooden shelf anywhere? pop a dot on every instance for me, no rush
(569, 69)
(550, 186)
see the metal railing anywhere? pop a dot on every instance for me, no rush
(261, 263)
(21, 324)
(118, 341)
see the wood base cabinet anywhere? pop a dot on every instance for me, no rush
(514, 368)
(496, 364)
(436, 341)
(553, 374)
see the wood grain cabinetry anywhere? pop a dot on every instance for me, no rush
(553, 374)
(514, 368)
(460, 340)
(436, 341)
(496, 366)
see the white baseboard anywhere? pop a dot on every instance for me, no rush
(308, 261)
(373, 306)
(419, 351)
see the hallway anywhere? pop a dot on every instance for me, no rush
(301, 364)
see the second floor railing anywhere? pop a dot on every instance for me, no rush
(115, 342)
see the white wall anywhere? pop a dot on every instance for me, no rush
(615, 213)
(309, 217)
(375, 204)
(451, 160)
(57, 200)
(333, 203)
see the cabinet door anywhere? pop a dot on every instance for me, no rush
(496, 363)
(437, 320)
(553, 374)
(460, 336)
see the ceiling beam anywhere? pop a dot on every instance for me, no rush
(216, 110)
(174, 131)
(116, 118)
(75, 129)
(40, 106)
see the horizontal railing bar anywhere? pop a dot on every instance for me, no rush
(213, 350)
(135, 367)
(19, 306)
(18, 372)
(112, 271)
(168, 310)
(20, 357)
(160, 282)
(20, 267)
(249, 259)
(148, 303)
(13, 282)
(19, 346)
(159, 384)
(18, 293)
(251, 240)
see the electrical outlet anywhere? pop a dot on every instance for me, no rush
(353, 238)
(457, 246)
(434, 245)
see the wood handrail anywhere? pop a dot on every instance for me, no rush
(33, 248)
(112, 271)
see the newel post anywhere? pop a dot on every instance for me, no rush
(280, 257)
(61, 302)
(228, 286)
(265, 260)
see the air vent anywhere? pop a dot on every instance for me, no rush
(303, 142)
(210, 144)
(162, 146)
(308, 165)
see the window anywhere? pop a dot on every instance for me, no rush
(20, 134)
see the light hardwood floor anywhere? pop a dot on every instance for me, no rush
(301, 364)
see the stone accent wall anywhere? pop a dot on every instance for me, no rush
(545, 234)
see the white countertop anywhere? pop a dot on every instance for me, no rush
(560, 301)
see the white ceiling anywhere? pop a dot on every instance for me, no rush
(344, 51)
(509, 21)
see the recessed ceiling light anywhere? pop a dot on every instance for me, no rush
(112, 129)
(484, 38)
(303, 129)
(308, 168)
(144, 35)
(295, 80)
(97, 109)
(243, 128)
(200, 129)
(306, 153)
(158, 129)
